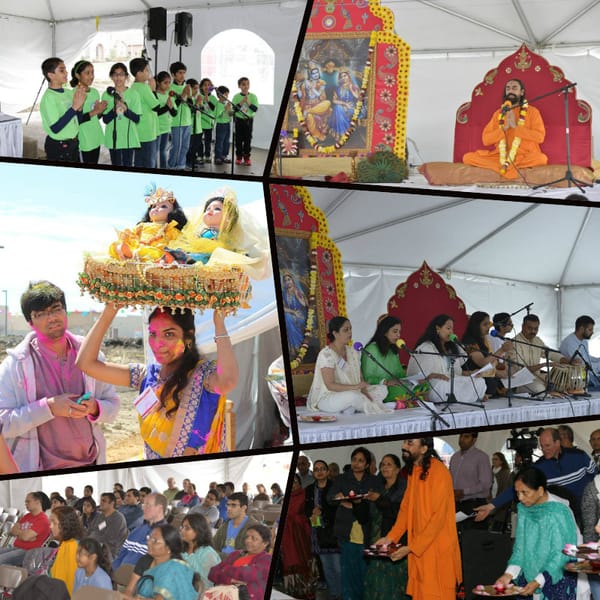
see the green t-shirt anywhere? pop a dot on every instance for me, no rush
(127, 133)
(184, 114)
(54, 104)
(221, 114)
(207, 116)
(164, 120)
(90, 135)
(246, 110)
(148, 123)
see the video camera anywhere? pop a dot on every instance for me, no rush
(524, 443)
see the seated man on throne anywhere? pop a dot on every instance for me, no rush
(516, 130)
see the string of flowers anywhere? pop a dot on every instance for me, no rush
(357, 110)
(310, 314)
(514, 148)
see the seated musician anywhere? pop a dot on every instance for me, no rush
(577, 342)
(529, 350)
(516, 134)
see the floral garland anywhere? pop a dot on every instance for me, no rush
(514, 148)
(289, 143)
(357, 110)
(308, 331)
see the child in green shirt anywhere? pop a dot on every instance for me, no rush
(60, 109)
(223, 114)
(182, 122)
(147, 126)
(166, 112)
(246, 105)
(90, 136)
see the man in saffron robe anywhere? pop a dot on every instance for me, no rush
(516, 134)
(427, 516)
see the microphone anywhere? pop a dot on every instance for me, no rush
(111, 91)
(401, 345)
(496, 334)
(575, 353)
(358, 346)
(506, 106)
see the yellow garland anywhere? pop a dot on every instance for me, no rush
(352, 127)
(514, 148)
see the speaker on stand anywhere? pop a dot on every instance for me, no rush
(157, 28)
(183, 30)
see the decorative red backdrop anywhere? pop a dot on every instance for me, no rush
(539, 77)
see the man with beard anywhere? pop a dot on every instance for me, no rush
(427, 515)
(46, 419)
(578, 342)
(516, 131)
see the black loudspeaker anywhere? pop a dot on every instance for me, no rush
(484, 558)
(157, 23)
(183, 29)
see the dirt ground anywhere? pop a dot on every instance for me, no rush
(123, 441)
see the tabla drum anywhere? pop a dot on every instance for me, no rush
(569, 379)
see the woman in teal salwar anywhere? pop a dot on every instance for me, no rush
(543, 528)
(169, 576)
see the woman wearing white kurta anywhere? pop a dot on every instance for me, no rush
(435, 364)
(337, 384)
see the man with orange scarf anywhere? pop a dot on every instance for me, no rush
(427, 516)
(515, 132)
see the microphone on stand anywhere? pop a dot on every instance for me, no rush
(111, 91)
(506, 106)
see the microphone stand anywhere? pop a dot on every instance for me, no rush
(450, 396)
(587, 369)
(434, 416)
(568, 176)
(527, 307)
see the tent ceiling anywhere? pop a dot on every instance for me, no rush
(472, 25)
(62, 10)
(517, 241)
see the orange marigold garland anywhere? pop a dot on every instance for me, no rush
(310, 314)
(514, 148)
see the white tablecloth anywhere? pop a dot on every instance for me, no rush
(418, 420)
(11, 136)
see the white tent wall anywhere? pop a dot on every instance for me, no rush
(438, 86)
(264, 468)
(23, 43)
(27, 42)
(368, 290)
(254, 407)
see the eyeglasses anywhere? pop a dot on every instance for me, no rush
(153, 540)
(49, 312)
(185, 527)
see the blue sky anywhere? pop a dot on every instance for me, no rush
(50, 216)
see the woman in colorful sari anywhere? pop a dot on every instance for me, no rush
(345, 99)
(182, 396)
(543, 529)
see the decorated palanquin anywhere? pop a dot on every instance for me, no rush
(310, 271)
(350, 91)
(419, 299)
(539, 77)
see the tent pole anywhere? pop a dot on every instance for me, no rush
(559, 315)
